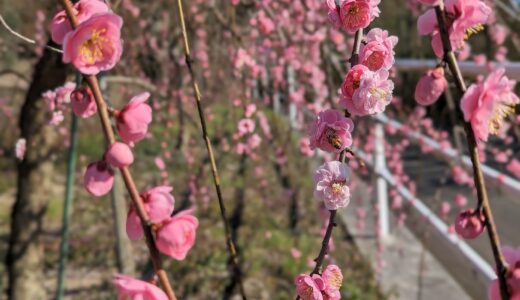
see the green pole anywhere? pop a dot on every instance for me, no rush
(69, 195)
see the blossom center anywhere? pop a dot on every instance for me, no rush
(500, 112)
(378, 93)
(337, 187)
(353, 10)
(92, 49)
(333, 138)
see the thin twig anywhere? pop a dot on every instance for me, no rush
(216, 178)
(24, 38)
(93, 83)
(478, 178)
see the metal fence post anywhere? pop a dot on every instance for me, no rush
(381, 184)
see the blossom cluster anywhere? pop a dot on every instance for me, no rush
(320, 287)
(95, 45)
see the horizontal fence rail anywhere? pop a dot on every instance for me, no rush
(502, 180)
(469, 68)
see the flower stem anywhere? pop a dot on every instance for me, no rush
(478, 178)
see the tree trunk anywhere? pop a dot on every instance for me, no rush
(24, 259)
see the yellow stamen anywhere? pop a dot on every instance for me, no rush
(379, 93)
(473, 30)
(337, 187)
(92, 49)
(500, 112)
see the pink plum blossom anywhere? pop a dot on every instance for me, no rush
(133, 120)
(331, 181)
(353, 14)
(95, 45)
(333, 279)
(465, 17)
(98, 179)
(177, 235)
(19, 148)
(246, 126)
(486, 104)
(364, 92)
(331, 131)
(84, 10)
(469, 224)
(308, 288)
(131, 288)
(460, 200)
(82, 102)
(378, 50)
(158, 203)
(119, 155)
(430, 87)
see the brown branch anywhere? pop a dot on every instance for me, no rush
(216, 177)
(127, 176)
(478, 178)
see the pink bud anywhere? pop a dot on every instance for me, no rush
(430, 87)
(119, 155)
(82, 102)
(134, 118)
(469, 224)
(177, 235)
(159, 203)
(98, 179)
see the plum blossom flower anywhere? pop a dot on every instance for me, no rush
(430, 87)
(331, 131)
(177, 235)
(84, 10)
(364, 92)
(119, 155)
(353, 14)
(246, 126)
(134, 118)
(378, 50)
(95, 45)
(309, 288)
(331, 181)
(486, 104)
(158, 203)
(333, 279)
(429, 2)
(464, 17)
(512, 257)
(98, 179)
(82, 102)
(131, 288)
(19, 148)
(469, 224)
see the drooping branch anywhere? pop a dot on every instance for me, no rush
(104, 117)
(480, 185)
(216, 177)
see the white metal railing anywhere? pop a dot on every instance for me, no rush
(467, 67)
(507, 183)
(377, 163)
